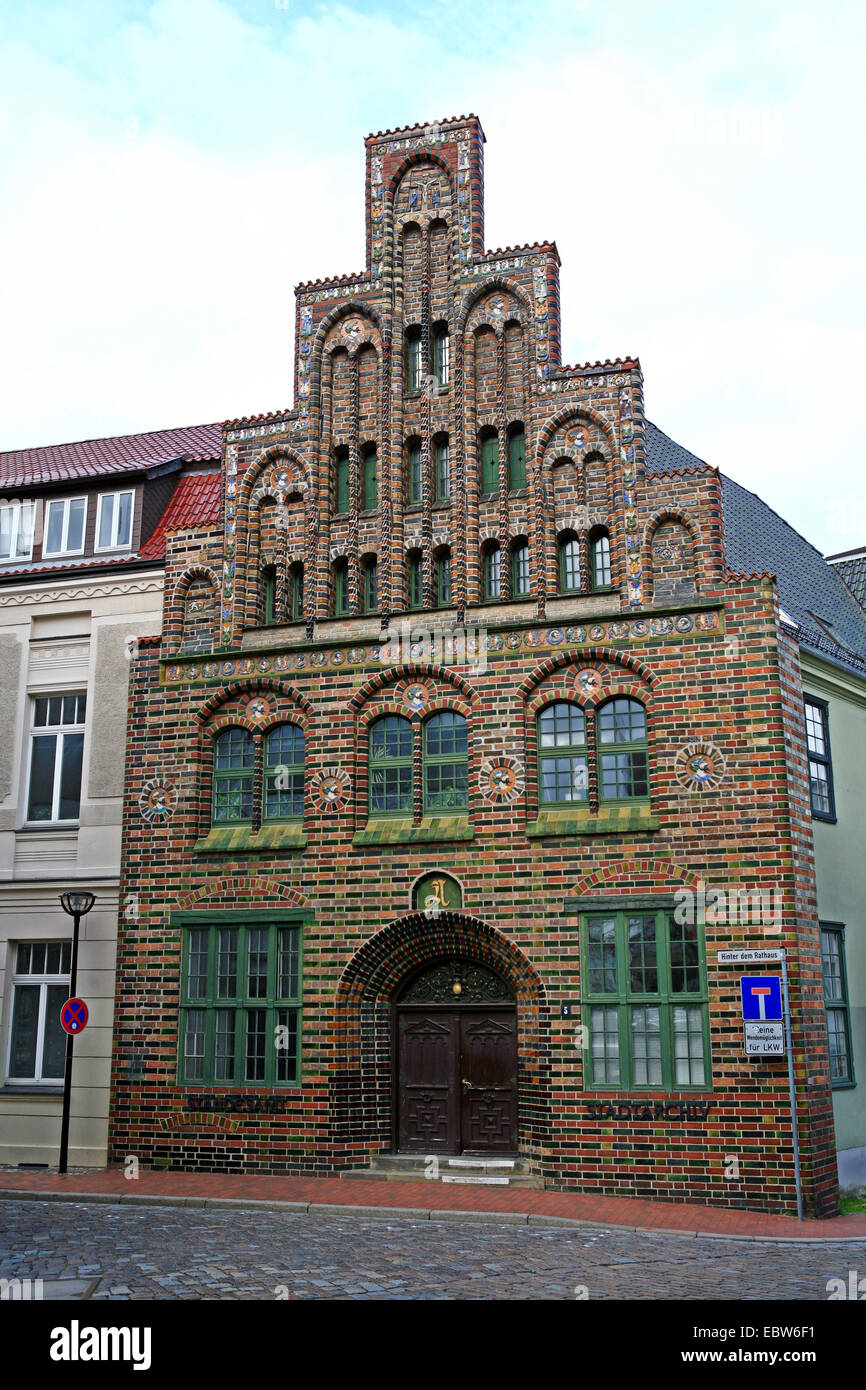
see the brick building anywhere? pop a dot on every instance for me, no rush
(457, 724)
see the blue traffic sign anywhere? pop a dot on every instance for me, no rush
(762, 996)
(73, 1016)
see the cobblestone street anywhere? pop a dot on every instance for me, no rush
(161, 1252)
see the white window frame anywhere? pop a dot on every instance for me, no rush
(59, 731)
(115, 544)
(43, 981)
(66, 504)
(16, 507)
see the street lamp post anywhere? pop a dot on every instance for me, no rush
(77, 905)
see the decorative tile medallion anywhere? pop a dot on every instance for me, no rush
(699, 767)
(157, 800)
(331, 789)
(501, 779)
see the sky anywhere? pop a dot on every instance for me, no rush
(171, 169)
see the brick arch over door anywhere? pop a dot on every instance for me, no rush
(363, 1080)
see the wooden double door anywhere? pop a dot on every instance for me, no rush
(457, 1079)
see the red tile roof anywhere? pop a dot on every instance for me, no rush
(194, 502)
(91, 458)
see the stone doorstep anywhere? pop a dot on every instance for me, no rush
(499, 1172)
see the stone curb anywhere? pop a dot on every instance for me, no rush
(506, 1218)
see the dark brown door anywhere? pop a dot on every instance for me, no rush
(457, 1081)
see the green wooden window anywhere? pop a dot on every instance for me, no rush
(371, 587)
(601, 561)
(517, 458)
(492, 573)
(269, 593)
(241, 1004)
(371, 480)
(416, 581)
(341, 588)
(391, 766)
(820, 764)
(562, 754)
(645, 1002)
(233, 777)
(415, 475)
(490, 463)
(414, 360)
(446, 763)
(441, 356)
(284, 773)
(443, 579)
(623, 753)
(443, 471)
(520, 570)
(836, 1004)
(569, 565)
(341, 488)
(296, 593)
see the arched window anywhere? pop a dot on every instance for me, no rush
(443, 577)
(391, 766)
(416, 580)
(370, 474)
(341, 588)
(623, 751)
(569, 563)
(269, 594)
(516, 458)
(414, 360)
(296, 593)
(371, 585)
(414, 492)
(441, 354)
(492, 573)
(341, 480)
(446, 763)
(284, 773)
(233, 767)
(562, 754)
(520, 569)
(443, 470)
(599, 548)
(489, 462)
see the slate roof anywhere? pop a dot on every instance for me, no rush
(93, 458)
(829, 620)
(194, 502)
(852, 567)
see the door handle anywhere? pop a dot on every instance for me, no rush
(467, 1085)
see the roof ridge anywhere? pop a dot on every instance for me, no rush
(107, 438)
(421, 125)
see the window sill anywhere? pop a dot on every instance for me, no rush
(608, 820)
(241, 839)
(27, 1088)
(403, 832)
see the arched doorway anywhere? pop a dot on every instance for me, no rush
(455, 1051)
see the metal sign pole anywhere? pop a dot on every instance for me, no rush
(790, 1050)
(67, 1074)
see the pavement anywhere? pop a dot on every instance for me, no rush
(420, 1201)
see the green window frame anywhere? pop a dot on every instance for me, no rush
(441, 355)
(371, 586)
(296, 593)
(233, 776)
(821, 793)
(285, 750)
(645, 1002)
(341, 588)
(391, 744)
(836, 1006)
(516, 458)
(443, 578)
(416, 581)
(492, 573)
(563, 776)
(341, 481)
(443, 471)
(600, 549)
(623, 751)
(414, 360)
(446, 763)
(370, 466)
(415, 475)
(241, 991)
(520, 570)
(569, 565)
(269, 594)
(489, 464)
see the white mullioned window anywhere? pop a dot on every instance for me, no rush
(56, 749)
(16, 530)
(114, 521)
(65, 520)
(40, 987)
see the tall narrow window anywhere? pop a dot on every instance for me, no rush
(489, 464)
(269, 593)
(443, 578)
(391, 766)
(233, 769)
(296, 593)
(443, 471)
(516, 458)
(341, 588)
(415, 475)
(836, 1004)
(16, 530)
(64, 526)
(56, 750)
(40, 986)
(492, 573)
(371, 587)
(562, 754)
(820, 765)
(520, 570)
(569, 563)
(284, 773)
(114, 521)
(341, 480)
(414, 360)
(371, 479)
(622, 737)
(416, 583)
(441, 355)
(600, 550)
(446, 763)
